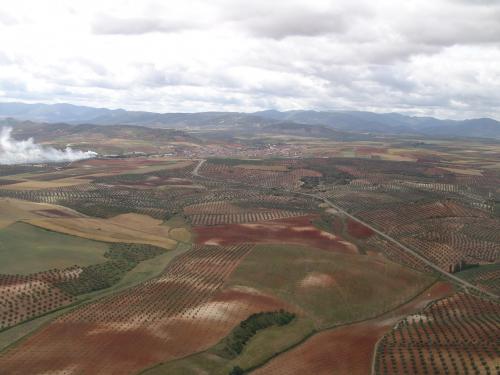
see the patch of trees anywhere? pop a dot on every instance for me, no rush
(122, 257)
(233, 344)
(96, 209)
(334, 178)
(291, 204)
(237, 370)
(496, 208)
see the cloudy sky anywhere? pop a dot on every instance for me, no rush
(425, 57)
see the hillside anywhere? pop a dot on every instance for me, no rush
(350, 121)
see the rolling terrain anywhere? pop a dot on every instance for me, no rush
(270, 253)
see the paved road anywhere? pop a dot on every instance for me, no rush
(458, 280)
(465, 284)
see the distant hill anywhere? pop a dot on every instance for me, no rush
(71, 114)
(344, 121)
(390, 123)
(48, 132)
(314, 131)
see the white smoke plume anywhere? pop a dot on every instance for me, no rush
(27, 151)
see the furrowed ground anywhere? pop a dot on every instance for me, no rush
(157, 265)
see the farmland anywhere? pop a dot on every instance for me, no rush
(457, 334)
(26, 249)
(198, 264)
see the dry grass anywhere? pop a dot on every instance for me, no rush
(180, 234)
(13, 210)
(131, 228)
(35, 185)
(468, 172)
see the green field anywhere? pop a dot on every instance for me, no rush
(356, 287)
(263, 346)
(145, 270)
(331, 288)
(26, 249)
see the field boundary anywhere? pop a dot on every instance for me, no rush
(463, 283)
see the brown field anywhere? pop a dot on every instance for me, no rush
(458, 334)
(347, 350)
(13, 210)
(184, 310)
(298, 231)
(36, 185)
(358, 230)
(131, 228)
(258, 177)
(259, 247)
(113, 167)
(466, 171)
(25, 297)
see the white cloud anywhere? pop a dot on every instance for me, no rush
(439, 57)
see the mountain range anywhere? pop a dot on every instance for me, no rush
(321, 123)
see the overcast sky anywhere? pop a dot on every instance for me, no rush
(426, 57)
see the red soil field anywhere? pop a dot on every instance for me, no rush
(458, 334)
(183, 311)
(297, 230)
(358, 230)
(348, 349)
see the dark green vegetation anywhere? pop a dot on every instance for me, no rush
(26, 249)
(122, 258)
(263, 345)
(237, 370)
(438, 204)
(496, 207)
(233, 344)
(107, 201)
(330, 174)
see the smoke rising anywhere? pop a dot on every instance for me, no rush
(27, 151)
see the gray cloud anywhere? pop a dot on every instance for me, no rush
(436, 58)
(110, 25)
(456, 26)
(295, 22)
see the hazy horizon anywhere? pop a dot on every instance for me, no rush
(436, 58)
(250, 112)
